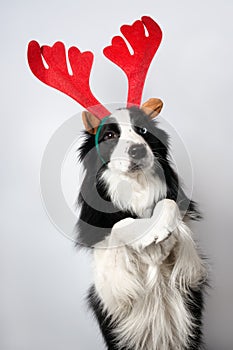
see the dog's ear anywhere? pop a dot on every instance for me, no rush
(152, 107)
(91, 122)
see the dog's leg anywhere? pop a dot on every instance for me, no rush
(189, 269)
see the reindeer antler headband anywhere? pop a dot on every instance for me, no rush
(76, 85)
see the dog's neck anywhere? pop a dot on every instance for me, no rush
(137, 192)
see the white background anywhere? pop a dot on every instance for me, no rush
(43, 278)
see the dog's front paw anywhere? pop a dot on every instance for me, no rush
(166, 216)
(140, 233)
(163, 222)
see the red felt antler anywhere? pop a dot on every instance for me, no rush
(75, 85)
(137, 64)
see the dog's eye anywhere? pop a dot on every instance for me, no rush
(142, 131)
(109, 135)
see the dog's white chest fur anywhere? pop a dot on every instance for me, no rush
(134, 291)
(128, 193)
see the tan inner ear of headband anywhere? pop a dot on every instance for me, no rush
(90, 122)
(152, 107)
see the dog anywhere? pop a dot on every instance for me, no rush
(149, 278)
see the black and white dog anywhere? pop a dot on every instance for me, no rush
(149, 278)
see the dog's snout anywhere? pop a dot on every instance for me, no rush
(137, 151)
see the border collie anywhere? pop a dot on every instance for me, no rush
(148, 276)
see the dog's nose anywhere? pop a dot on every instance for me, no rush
(137, 151)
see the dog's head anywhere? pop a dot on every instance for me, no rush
(126, 139)
(123, 142)
(126, 152)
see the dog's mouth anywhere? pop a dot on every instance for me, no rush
(130, 166)
(134, 167)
